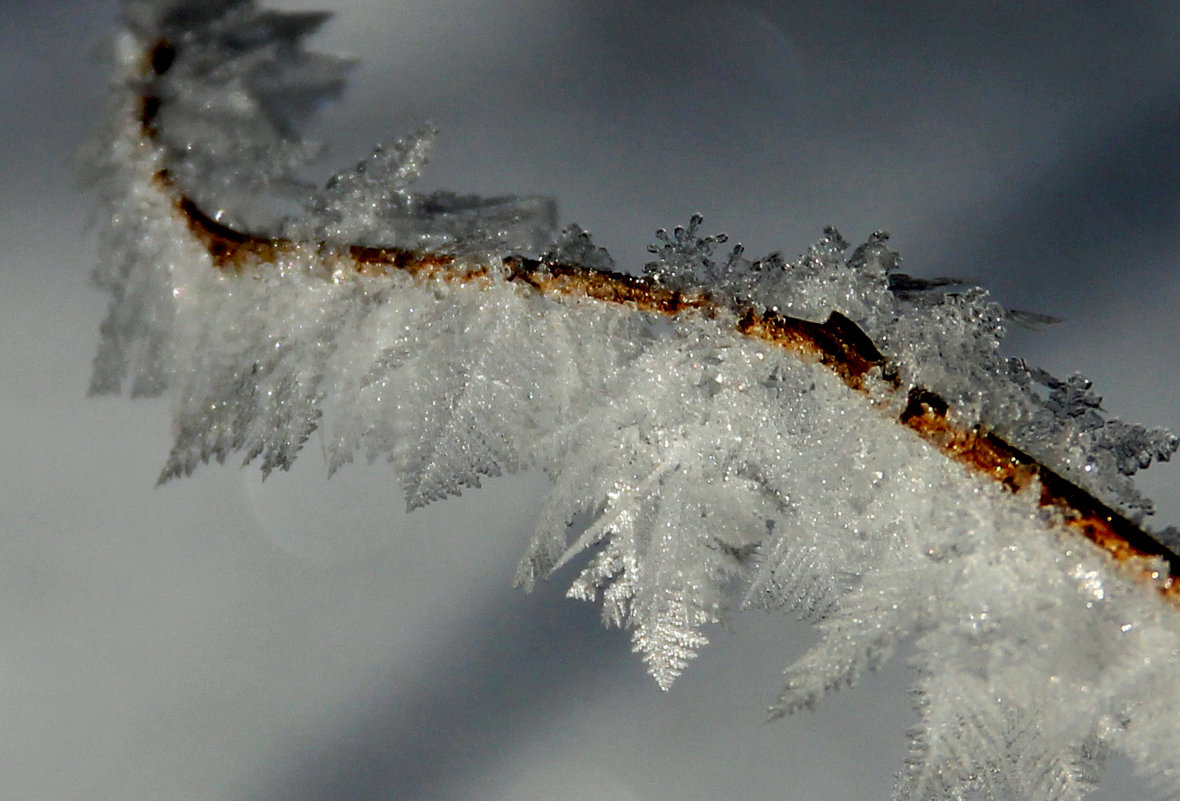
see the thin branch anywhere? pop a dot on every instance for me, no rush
(838, 343)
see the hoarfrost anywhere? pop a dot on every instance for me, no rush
(574, 246)
(684, 258)
(372, 204)
(691, 466)
(238, 84)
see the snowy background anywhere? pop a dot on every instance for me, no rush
(303, 640)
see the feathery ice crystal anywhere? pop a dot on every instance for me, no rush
(825, 434)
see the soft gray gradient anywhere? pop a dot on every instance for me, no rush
(304, 640)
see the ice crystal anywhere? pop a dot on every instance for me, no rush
(683, 257)
(573, 246)
(357, 204)
(693, 466)
(225, 117)
(372, 204)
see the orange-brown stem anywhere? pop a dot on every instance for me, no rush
(838, 343)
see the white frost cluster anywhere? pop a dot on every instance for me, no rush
(940, 336)
(694, 470)
(372, 204)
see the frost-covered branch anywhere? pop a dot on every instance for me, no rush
(825, 434)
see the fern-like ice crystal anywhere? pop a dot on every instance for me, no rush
(826, 434)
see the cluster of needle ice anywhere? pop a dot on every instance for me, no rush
(693, 468)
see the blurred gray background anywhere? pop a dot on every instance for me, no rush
(305, 640)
